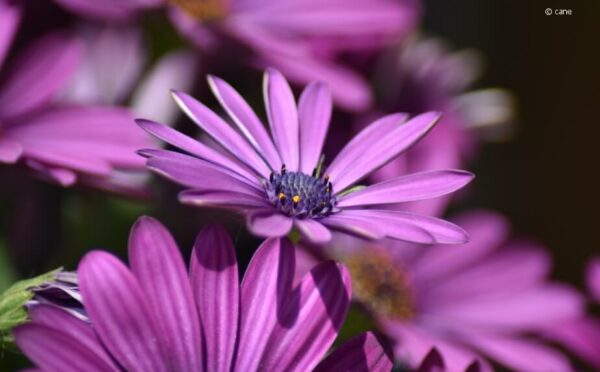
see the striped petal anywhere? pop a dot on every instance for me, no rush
(314, 113)
(214, 277)
(363, 352)
(313, 230)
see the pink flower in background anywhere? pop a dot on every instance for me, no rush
(155, 316)
(275, 179)
(303, 38)
(65, 143)
(428, 75)
(489, 298)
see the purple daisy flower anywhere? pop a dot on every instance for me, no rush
(302, 38)
(155, 316)
(278, 181)
(489, 298)
(65, 143)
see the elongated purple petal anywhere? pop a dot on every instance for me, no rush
(417, 186)
(390, 146)
(120, 312)
(355, 226)
(265, 288)
(283, 117)
(36, 75)
(269, 223)
(361, 353)
(214, 277)
(10, 150)
(159, 268)
(221, 132)
(313, 230)
(410, 227)
(311, 323)
(246, 120)
(106, 9)
(314, 113)
(64, 322)
(220, 198)
(197, 173)
(362, 142)
(53, 350)
(10, 15)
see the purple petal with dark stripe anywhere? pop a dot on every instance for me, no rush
(221, 132)
(311, 323)
(265, 288)
(191, 146)
(314, 113)
(246, 120)
(417, 186)
(221, 198)
(283, 117)
(120, 313)
(214, 277)
(79, 330)
(53, 350)
(361, 353)
(159, 268)
(383, 151)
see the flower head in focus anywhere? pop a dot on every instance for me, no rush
(305, 39)
(278, 180)
(154, 316)
(488, 298)
(65, 143)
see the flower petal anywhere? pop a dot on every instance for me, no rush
(314, 113)
(362, 142)
(593, 278)
(37, 74)
(311, 320)
(10, 15)
(53, 350)
(355, 226)
(214, 277)
(269, 223)
(221, 132)
(363, 352)
(246, 120)
(200, 174)
(417, 186)
(389, 147)
(412, 227)
(283, 117)
(10, 150)
(193, 147)
(120, 312)
(265, 289)
(313, 230)
(222, 198)
(79, 331)
(159, 268)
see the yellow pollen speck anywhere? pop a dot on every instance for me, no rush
(204, 10)
(381, 285)
(281, 196)
(296, 199)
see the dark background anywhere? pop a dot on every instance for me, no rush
(545, 179)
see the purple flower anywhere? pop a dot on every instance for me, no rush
(156, 316)
(491, 298)
(64, 143)
(277, 180)
(302, 38)
(593, 278)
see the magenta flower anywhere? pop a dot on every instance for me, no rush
(302, 38)
(489, 298)
(155, 316)
(63, 143)
(276, 180)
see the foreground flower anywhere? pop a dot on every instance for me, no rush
(488, 298)
(64, 143)
(156, 317)
(278, 182)
(303, 38)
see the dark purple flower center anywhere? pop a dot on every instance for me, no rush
(300, 195)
